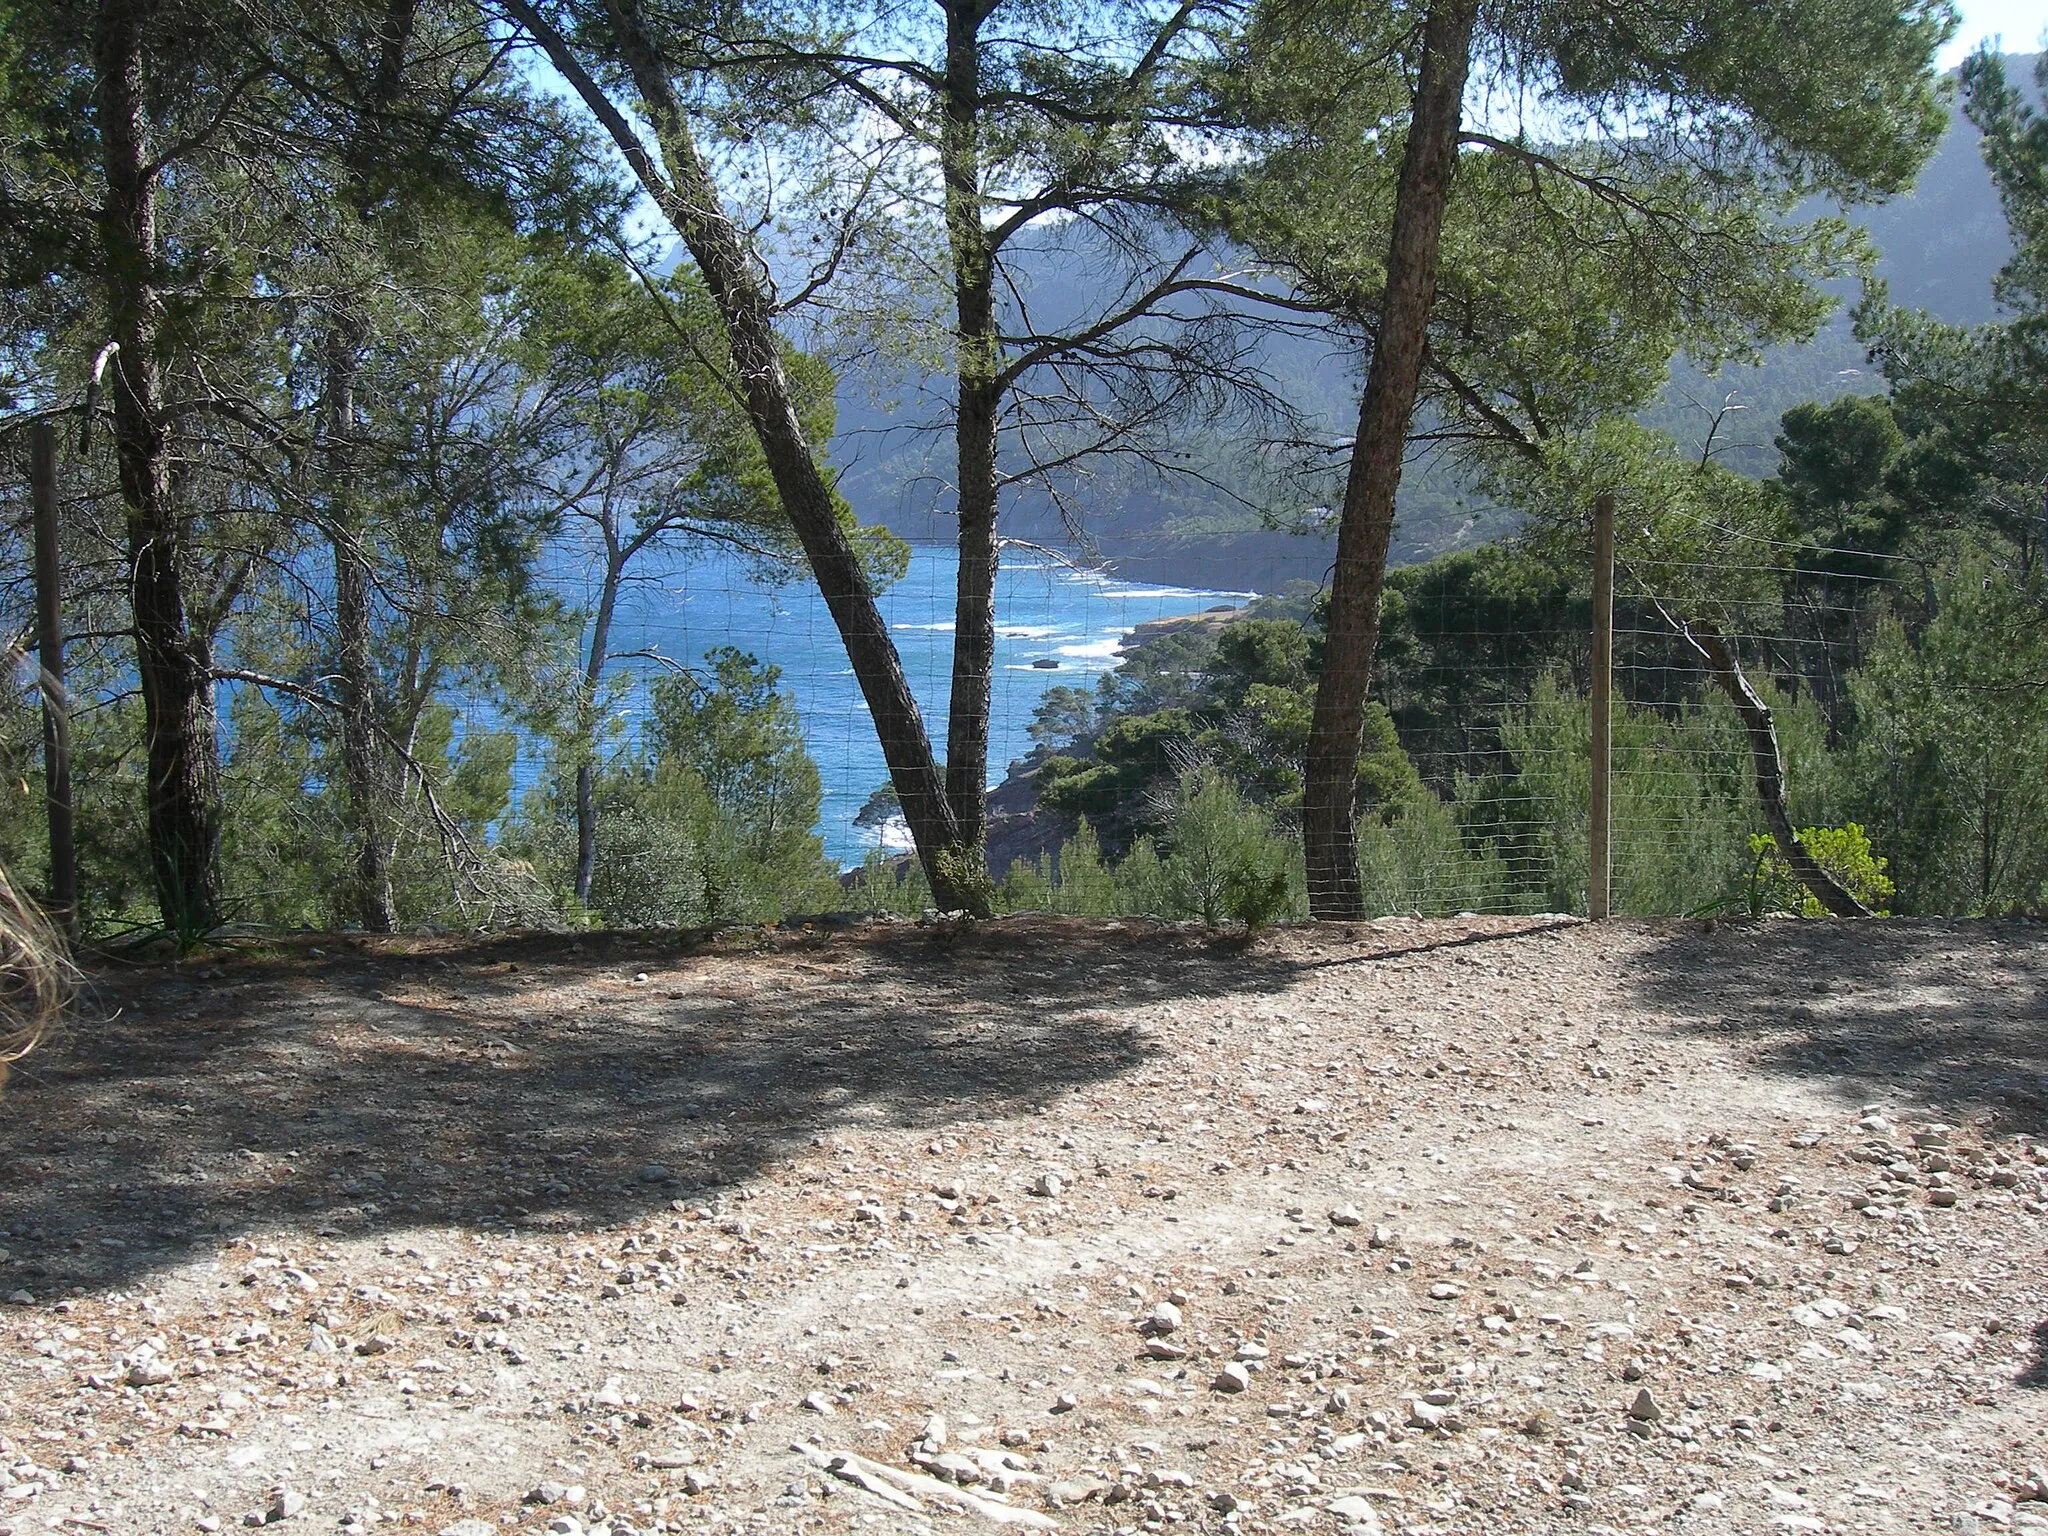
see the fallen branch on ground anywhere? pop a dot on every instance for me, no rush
(863, 1473)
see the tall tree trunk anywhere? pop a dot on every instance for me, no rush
(1329, 833)
(62, 899)
(979, 406)
(689, 199)
(365, 772)
(1769, 766)
(365, 778)
(586, 723)
(365, 766)
(172, 661)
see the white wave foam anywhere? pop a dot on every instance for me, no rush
(1094, 650)
(1127, 594)
(892, 836)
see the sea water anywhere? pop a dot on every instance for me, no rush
(1055, 626)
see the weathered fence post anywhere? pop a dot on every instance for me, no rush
(63, 891)
(1599, 861)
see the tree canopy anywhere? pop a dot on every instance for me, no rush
(390, 342)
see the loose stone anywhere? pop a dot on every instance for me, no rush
(1161, 1320)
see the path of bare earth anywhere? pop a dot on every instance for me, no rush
(1472, 1226)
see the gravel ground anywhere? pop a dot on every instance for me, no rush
(1470, 1226)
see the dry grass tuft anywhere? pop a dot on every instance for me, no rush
(35, 976)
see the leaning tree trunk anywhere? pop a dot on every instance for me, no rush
(1329, 833)
(689, 199)
(980, 402)
(1769, 765)
(172, 661)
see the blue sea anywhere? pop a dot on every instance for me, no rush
(681, 606)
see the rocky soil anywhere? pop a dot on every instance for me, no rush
(1475, 1226)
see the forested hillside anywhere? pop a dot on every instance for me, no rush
(1938, 247)
(369, 374)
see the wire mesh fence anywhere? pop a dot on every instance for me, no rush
(1060, 625)
(1496, 716)
(1146, 740)
(1115, 703)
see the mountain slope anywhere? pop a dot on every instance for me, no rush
(1940, 247)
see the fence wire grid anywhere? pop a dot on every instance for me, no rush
(1145, 736)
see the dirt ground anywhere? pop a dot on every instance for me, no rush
(1476, 1226)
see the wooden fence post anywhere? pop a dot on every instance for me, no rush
(63, 891)
(1599, 862)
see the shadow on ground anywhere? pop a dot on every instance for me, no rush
(533, 1081)
(2036, 1373)
(1945, 1015)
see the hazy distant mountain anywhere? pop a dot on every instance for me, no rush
(1944, 241)
(1941, 245)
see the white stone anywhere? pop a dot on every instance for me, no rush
(1163, 1319)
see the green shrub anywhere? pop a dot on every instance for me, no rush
(889, 883)
(1843, 852)
(1421, 860)
(709, 821)
(1683, 800)
(1225, 858)
(1074, 882)
(1952, 731)
(1141, 885)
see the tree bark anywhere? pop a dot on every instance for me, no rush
(366, 776)
(593, 679)
(172, 662)
(63, 888)
(975, 428)
(1769, 765)
(682, 187)
(364, 779)
(1329, 833)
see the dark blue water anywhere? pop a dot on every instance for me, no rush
(682, 606)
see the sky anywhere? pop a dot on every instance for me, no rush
(2018, 22)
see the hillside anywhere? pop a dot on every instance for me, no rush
(1940, 244)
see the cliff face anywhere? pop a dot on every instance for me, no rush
(1019, 828)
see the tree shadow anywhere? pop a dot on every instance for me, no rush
(343, 1087)
(1937, 1013)
(2035, 1375)
(532, 1081)
(1939, 1016)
